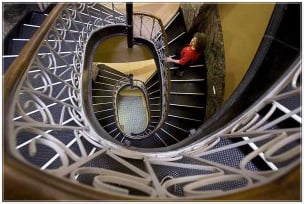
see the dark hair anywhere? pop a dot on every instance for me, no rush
(201, 41)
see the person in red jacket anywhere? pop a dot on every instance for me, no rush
(190, 54)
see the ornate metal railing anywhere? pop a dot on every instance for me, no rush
(149, 27)
(49, 141)
(198, 170)
(47, 97)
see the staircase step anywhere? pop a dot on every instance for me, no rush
(101, 99)
(176, 131)
(109, 12)
(185, 112)
(153, 81)
(165, 137)
(27, 31)
(182, 123)
(37, 18)
(155, 117)
(191, 100)
(101, 92)
(109, 126)
(16, 46)
(187, 93)
(192, 72)
(101, 85)
(153, 87)
(149, 142)
(177, 43)
(154, 100)
(176, 27)
(110, 75)
(187, 106)
(118, 136)
(155, 114)
(69, 35)
(83, 17)
(107, 120)
(185, 118)
(154, 106)
(194, 87)
(64, 63)
(155, 93)
(105, 80)
(102, 106)
(104, 113)
(187, 80)
(111, 72)
(7, 61)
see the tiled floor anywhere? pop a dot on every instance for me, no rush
(132, 114)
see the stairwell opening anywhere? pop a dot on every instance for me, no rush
(132, 110)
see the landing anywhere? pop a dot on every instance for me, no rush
(164, 11)
(132, 113)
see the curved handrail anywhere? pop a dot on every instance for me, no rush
(154, 34)
(73, 164)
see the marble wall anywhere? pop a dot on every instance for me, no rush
(205, 18)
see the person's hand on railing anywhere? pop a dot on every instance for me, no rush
(170, 59)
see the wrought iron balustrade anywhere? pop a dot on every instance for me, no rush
(49, 140)
(151, 28)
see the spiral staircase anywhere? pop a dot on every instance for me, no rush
(62, 137)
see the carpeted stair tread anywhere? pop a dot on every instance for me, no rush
(109, 71)
(188, 87)
(186, 112)
(184, 124)
(175, 131)
(176, 27)
(191, 100)
(27, 31)
(196, 72)
(37, 18)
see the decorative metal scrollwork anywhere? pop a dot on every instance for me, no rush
(50, 131)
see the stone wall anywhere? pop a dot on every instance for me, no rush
(13, 12)
(205, 18)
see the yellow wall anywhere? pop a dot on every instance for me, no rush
(243, 26)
